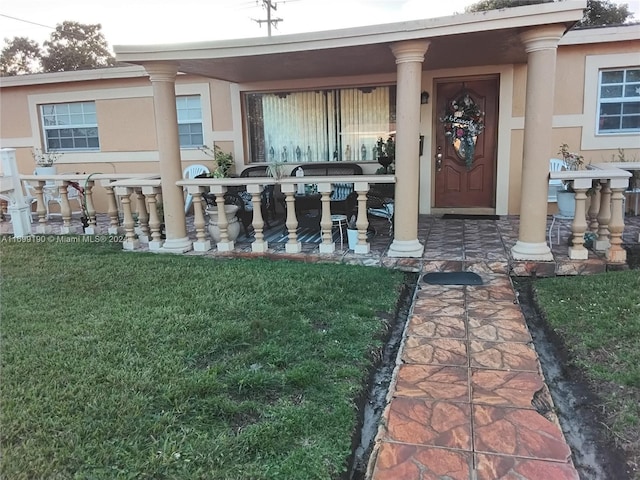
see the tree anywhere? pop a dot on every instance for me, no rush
(598, 12)
(484, 5)
(20, 56)
(604, 12)
(76, 46)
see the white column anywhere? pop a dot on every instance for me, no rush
(541, 44)
(162, 76)
(409, 58)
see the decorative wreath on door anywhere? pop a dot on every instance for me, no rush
(463, 122)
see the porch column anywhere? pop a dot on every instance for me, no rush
(541, 45)
(162, 76)
(409, 58)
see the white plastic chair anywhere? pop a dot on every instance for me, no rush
(555, 165)
(51, 193)
(192, 171)
(54, 195)
(30, 196)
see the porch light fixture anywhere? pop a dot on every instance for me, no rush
(424, 97)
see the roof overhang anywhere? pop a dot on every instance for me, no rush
(482, 38)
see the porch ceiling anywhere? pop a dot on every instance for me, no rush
(484, 38)
(481, 48)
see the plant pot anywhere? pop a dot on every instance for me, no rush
(45, 170)
(233, 228)
(566, 203)
(352, 238)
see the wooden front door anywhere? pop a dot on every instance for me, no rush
(465, 175)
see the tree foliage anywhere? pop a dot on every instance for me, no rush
(76, 46)
(484, 5)
(72, 46)
(604, 12)
(20, 56)
(598, 12)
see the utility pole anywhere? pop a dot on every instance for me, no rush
(269, 21)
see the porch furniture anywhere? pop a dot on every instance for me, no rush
(192, 171)
(343, 197)
(30, 197)
(559, 219)
(268, 201)
(308, 210)
(555, 165)
(636, 193)
(339, 221)
(385, 210)
(52, 194)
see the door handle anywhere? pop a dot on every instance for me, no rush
(438, 161)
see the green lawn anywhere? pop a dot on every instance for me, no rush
(128, 365)
(598, 318)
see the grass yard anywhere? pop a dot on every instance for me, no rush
(598, 319)
(126, 365)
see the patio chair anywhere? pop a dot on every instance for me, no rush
(192, 171)
(267, 201)
(555, 165)
(30, 197)
(386, 210)
(52, 194)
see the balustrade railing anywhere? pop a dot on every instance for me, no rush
(198, 187)
(133, 201)
(604, 185)
(47, 187)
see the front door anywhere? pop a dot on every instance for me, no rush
(466, 139)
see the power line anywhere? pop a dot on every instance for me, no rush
(26, 21)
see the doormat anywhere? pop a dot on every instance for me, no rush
(461, 216)
(452, 278)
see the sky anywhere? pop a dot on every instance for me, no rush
(134, 22)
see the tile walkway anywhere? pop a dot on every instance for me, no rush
(468, 400)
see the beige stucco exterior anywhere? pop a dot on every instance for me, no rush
(124, 96)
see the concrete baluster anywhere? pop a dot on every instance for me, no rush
(616, 254)
(87, 202)
(41, 208)
(577, 251)
(143, 216)
(112, 210)
(293, 245)
(362, 222)
(259, 245)
(594, 207)
(65, 207)
(604, 216)
(155, 222)
(201, 244)
(131, 241)
(327, 245)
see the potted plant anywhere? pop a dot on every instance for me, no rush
(45, 161)
(566, 196)
(224, 164)
(223, 160)
(385, 154)
(352, 232)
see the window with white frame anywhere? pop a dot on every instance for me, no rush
(190, 121)
(619, 101)
(70, 126)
